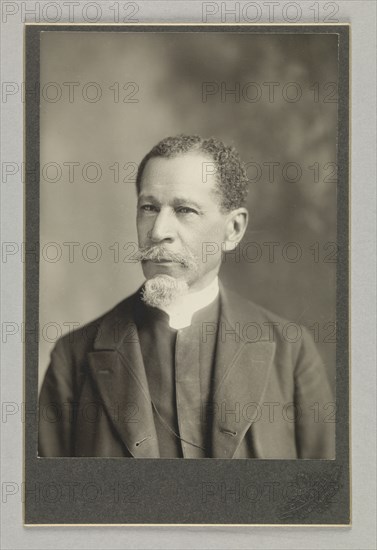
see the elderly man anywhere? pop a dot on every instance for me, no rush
(185, 368)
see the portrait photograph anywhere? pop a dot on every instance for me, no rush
(187, 203)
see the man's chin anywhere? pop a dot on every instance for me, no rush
(163, 289)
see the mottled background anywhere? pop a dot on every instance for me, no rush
(167, 72)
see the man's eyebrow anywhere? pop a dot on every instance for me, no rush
(179, 201)
(150, 198)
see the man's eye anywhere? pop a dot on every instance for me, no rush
(148, 207)
(186, 210)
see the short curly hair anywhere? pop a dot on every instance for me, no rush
(232, 182)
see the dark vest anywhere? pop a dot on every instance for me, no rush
(179, 368)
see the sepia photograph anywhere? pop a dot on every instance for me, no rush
(188, 199)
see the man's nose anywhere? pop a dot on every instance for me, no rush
(163, 227)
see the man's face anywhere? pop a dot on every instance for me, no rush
(179, 212)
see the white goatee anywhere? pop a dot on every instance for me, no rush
(162, 290)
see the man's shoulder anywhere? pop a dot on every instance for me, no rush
(246, 309)
(82, 339)
(256, 323)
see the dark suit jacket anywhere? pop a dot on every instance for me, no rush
(271, 396)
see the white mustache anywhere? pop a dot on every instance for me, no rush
(159, 254)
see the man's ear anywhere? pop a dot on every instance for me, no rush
(235, 228)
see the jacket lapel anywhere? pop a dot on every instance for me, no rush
(117, 369)
(242, 367)
(241, 373)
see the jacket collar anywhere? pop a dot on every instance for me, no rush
(117, 368)
(242, 367)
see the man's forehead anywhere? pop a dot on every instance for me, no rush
(189, 177)
(182, 167)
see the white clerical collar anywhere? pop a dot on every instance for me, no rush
(182, 310)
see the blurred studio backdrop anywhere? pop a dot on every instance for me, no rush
(108, 97)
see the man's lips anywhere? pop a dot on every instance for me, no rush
(163, 262)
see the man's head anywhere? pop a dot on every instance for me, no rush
(191, 195)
